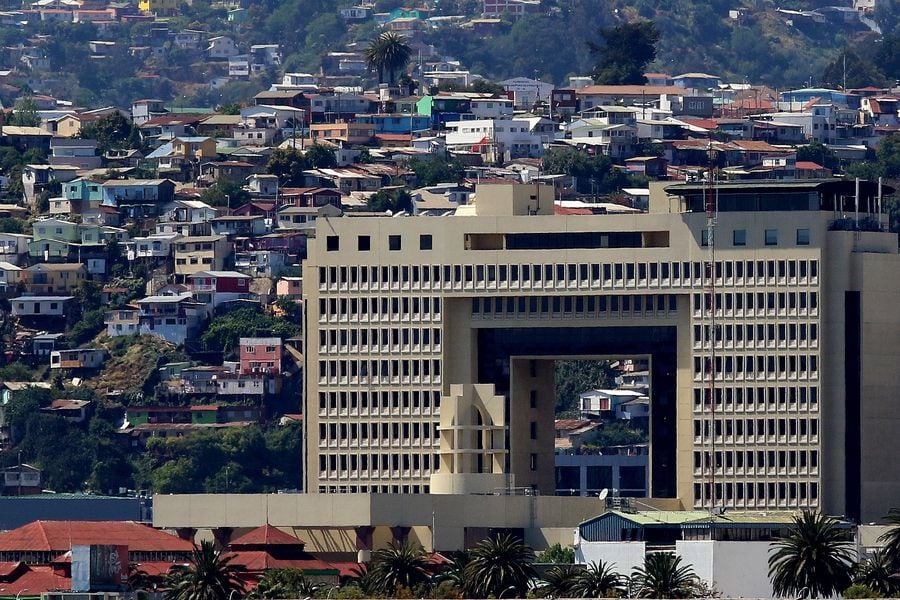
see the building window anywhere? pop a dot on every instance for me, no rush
(704, 237)
(394, 242)
(425, 241)
(332, 243)
(364, 243)
(803, 237)
(739, 237)
(771, 237)
(534, 462)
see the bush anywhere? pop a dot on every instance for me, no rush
(859, 590)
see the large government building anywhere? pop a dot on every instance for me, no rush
(430, 343)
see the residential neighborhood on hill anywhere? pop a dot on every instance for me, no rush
(372, 299)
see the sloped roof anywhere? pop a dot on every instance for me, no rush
(60, 536)
(260, 560)
(266, 535)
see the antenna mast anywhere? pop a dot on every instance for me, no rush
(711, 333)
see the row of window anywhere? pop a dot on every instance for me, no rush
(360, 433)
(364, 242)
(373, 401)
(751, 335)
(380, 340)
(572, 305)
(761, 495)
(374, 489)
(758, 366)
(761, 461)
(388, 307)
(790, 398)
(746, 430)
(380, 371)
(366, 465)
(573, 274)
(770, 237)
(755, 302)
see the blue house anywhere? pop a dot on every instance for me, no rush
(396, 123)
(139, 197)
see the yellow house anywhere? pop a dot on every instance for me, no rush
(200, 253)
(159, 6)
(53, 278)
(192, 148)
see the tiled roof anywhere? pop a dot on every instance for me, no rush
(260, 560)
(266, 535)
(60, 536)
(36, 580)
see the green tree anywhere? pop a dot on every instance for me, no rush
(877, 573)
(849, 71)
(390, 200)
(283, 583)
(821, 154)
(813, 560)
(891, 537)
(389, 52)
(663, 576)
(208, 576)
(226, 192)
(433, 170)
(25, 113)
(598, 580)
(288, 164)
(400, 565)
(572, 377)
(225, 330)
(593, 174)
(22, 405)
(560, 581)
(500, 565)
(320, 156)
(556, 554)
(112, 132)
(624, 53)
(888, 156)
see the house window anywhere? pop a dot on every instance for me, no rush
(425, 241)
(332, 243)
(803, 237)
(739, 237)
(771, 237)
(394, 242)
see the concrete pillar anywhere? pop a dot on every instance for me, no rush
(364, 536)
(186, 533)
(400, 534)
(222, 535)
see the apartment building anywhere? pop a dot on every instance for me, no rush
(430, 344)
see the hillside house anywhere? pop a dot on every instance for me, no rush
(42, 306)
(79, 358)
(53, 279)
(175, 319)
(261, 355)
(215, 287)
(201, 253)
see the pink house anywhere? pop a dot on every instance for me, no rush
(216, 287)
(261, 355)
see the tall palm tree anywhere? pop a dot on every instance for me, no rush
(363, 579)
(560, 581)
(388, 52)
(598, 580)
(454, 573)
(877, 573)
(663, 576)
(501, 567)
(891, 537)
(399, 565)
(813, 560)
(208, 576)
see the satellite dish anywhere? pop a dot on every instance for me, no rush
(603, 493)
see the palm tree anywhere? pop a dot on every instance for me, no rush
(283, 583)
(891, 537)
(663, 576)
(363, 579)
(388, 52)
(560, 581)
(877, 573)
(454, 573)
(598, 580)
(399, 565)
(814, 559)
(501, 567)
(208, 576)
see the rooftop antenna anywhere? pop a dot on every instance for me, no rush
(709, 274)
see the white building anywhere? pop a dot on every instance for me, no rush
(221, 47)
(527, 91)
(497, 139)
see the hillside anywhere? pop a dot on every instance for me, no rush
(132, 364)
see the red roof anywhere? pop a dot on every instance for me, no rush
(393, 137)
(8, 568)
(347, 569)
(260, 560)
(155, 568)
(266, 536)
(808, 165)
(562, 210)
(36, 580)
(60, 536)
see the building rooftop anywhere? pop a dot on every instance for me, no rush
(60, 536)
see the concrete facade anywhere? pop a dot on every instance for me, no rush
(401, 310)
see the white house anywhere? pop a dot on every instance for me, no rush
(221, 47)
(43, 306)
(9, 276)
(78, 358)
(499, 139)
(594, 402)
(491, 108)
(154, 246)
